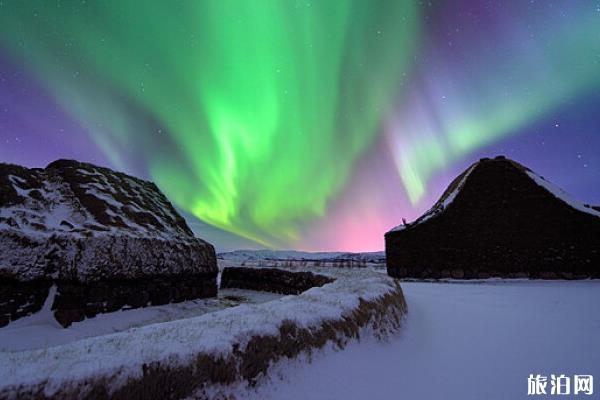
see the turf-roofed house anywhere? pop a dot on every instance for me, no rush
(499, 219)
(92, 240)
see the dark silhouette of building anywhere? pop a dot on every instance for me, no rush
(498, 218)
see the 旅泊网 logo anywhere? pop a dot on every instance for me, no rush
(560, 384)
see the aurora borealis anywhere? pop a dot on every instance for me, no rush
(313, 125)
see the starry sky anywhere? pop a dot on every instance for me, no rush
(313, 125)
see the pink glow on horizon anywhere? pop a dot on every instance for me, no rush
(372, 204)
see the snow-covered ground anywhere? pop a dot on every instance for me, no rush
(461, 341)
(122, 355)
(41, 330)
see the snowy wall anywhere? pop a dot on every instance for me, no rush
(177, 359)
(74, 301)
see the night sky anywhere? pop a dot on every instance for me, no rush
(314, 125)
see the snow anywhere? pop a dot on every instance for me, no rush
(123, 353)
(452, 195)
(555, 190)
(116, 216)
(439, 207)
(460, 341)
(48, 213)
(41, 330)
(42, 218)
(562, 195)
(398, 228)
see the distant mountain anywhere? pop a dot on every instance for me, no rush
(253, 256)
(499, 218)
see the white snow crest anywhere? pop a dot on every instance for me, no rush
(561, 194)
(439, 207)
(176, 342)
(56, 209)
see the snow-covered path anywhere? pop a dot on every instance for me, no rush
(461, 341)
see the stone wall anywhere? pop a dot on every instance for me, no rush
(74, 301)
(271, 280)
(18, 299)
(501, 224)
(199, 377)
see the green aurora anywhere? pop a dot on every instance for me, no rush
(250, 100)
(495, 90)
(305, 124)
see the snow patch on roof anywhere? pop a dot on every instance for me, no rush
(561, 194)
(52, 201)
(446, 199)
(74, 220)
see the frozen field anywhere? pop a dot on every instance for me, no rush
(461, 341)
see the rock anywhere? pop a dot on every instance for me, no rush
(66, 317)
(499, 219)
(457, 274)
(100, 236)
(548, 275)
(19, 299)
(568, 275)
